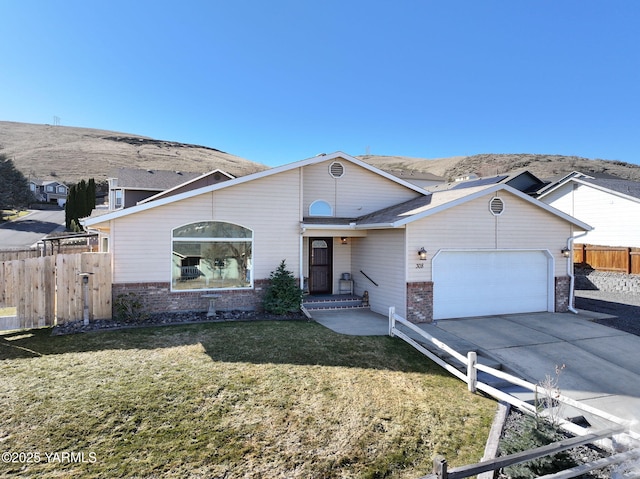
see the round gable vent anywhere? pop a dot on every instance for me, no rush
(496, 206)
(336, 169)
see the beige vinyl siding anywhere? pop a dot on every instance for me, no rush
(268, 206)
(341, 261)
(380, 255)
(615, 219)
(357, 193)
(472, 226)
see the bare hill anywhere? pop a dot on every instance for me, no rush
(70, 154)
(543, 166)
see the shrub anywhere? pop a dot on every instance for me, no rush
(548, 399)
(128, 308)
(283, 294)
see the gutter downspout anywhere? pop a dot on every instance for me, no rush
(572, 279)
(302, 228)
(301, 257)
(302, 285)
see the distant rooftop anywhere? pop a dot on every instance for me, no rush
(415, 175)
(524, 181)
(151, 179)
(626, 187)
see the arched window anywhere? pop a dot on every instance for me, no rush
(320, 208)
(211, 255)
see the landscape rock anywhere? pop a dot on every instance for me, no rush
(173, 318)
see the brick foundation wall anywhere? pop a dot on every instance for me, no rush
(420, 302)
(563, 283)
(158, 297)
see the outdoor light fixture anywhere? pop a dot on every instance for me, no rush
(566, 252)
(343, 240)
(422, 254)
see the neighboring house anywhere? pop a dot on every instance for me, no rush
(207, 179)
(488, 249)
(128, 186)
(418, 178)
(611, 205)
(524, 181)
(49, 191)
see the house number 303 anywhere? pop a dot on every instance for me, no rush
(419, 265)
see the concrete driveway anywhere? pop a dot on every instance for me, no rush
(601, 364)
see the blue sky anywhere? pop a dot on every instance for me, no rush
(282, 80)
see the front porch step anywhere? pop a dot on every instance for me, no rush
(336, 301)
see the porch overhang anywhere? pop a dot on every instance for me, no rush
(339, 227)
(353, 229)
(309, 232)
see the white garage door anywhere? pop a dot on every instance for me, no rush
(480, 283)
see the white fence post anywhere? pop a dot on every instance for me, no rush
(472, 372)
(392, 319)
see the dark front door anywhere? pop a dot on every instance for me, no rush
(320, 259)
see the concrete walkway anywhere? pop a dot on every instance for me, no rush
(601, 364)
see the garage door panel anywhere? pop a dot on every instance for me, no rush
(473, 283)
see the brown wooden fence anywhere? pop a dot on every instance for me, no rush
(61, 244)
(12, 255)
(49, 290)
(608, 258)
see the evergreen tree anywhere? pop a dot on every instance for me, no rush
(14, 186)
(283, 294)
(70, 206)
(91, 195)
(80, 203)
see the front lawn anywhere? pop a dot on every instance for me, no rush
(248, 399)
(10, 215)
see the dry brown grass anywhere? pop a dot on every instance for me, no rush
(543, 166)
(254, 400)
(8, 311)
(10, 215)
(70, 154)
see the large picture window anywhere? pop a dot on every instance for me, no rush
(212, 255)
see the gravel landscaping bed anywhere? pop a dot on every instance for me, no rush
(624, 308)
(514, 428)
(164, 319)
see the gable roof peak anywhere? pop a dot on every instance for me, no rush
(255, 176)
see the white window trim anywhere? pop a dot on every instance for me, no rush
(211, 240)
(318, 202)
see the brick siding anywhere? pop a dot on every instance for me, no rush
(563, 283)
(158, 297)
(420, 302)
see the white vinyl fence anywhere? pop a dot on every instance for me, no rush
(407, 331)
